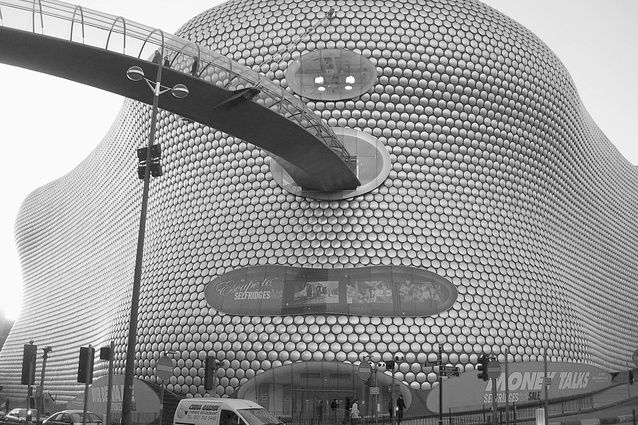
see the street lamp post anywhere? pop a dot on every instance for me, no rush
(136, 73)
(164, 371)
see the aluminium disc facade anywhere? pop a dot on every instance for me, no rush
(500, 183)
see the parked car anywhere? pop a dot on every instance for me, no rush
(19, 415)
(73, 417)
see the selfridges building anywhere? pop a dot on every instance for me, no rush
(499, 217)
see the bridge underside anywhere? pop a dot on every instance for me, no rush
(311, 163)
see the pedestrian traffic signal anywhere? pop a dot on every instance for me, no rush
(631, 377)
(210, 370)
(481, 366)
(389, 365)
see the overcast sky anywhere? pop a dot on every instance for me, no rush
(50, 125)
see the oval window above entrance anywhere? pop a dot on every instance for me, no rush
(331, 74)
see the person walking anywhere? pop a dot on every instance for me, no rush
(354, 412)
(400, 407)
(334, 406)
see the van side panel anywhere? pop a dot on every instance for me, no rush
(206, 411)
(197, 413)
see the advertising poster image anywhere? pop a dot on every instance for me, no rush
(424, 296)
(322, 292)
(369, 292)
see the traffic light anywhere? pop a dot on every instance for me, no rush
(631, 377)
(210, 372)
(481, 366)
(85, 365)
(156, 156)
(389, 365)
(28, 364)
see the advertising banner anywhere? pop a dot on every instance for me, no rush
(145, 400)
(379, 291)
(198, 413)
(525, 384)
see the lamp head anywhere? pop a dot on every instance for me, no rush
(135, 73)
(180, 91)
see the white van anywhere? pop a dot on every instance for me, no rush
(222, 411)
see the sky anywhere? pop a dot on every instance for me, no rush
(49, 125)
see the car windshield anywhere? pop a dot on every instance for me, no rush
(22, 413)
(259, 417)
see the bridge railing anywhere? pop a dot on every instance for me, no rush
(114, 33)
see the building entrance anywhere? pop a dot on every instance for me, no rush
(324, 407)
(313, 393)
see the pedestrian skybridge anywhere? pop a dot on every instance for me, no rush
(97, 49)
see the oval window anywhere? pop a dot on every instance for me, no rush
(372, 168)
(331, 74)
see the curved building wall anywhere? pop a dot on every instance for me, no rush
(500, 182)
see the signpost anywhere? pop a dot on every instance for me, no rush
(449, 371)
(106, 353)
(365, 371)
(494, 371)
(164, 368)
(442, 370)
(164, 371)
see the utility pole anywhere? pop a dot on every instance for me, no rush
(507, 390)
(545, 379)
(439, 361)
(109, 396)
